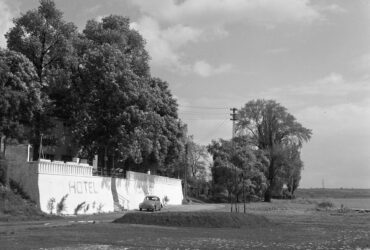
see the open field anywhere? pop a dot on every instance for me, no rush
(337, 193)
(293, 225)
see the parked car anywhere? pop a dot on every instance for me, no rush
(151, 202)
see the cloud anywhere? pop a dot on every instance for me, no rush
(6, 16)
(332, 8)
(220, 12)
(330, 85)
(344, 118)
(362, 63)
(170, 26)
(328, 89)
(164, 46)
(204, 69)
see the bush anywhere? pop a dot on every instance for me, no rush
(79, 207)
(61, 205)
(325, 205)
(50, 205)
(17, 189)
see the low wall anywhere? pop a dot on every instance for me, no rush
(52, 181)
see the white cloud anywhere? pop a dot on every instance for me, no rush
(204, 69)
(220, 12)
(333, 86)
(160, 49)
(164, 46)
(168, 26)
(344, 118)
(332, 8)
(6, 16)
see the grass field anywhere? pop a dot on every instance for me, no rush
(292, 224)
(334, 193)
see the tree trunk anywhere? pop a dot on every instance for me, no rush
(271, 178)
(105, 160)
(268, 195)
(231, 204)
(243, 196)
(3, 162)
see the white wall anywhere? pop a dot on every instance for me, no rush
(44, 182)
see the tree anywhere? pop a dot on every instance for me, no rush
(293, 168)
(124, 115)
(46, 40)
(238, 167)
(271, 128)
(195, 168)
(43, 37)
(19, 99)
(196, 157)
(115, 30)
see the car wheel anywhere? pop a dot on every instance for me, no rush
(141, 209)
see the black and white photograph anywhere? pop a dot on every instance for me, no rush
(184, 124)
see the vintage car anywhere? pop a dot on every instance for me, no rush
(151, 202)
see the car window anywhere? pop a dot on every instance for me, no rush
(152, 198)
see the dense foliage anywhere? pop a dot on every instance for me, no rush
(272, 129)
(98, 83)
(19, 99)
(263, 157)
(124, 115)
(238, 169)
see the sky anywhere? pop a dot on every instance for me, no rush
(311, 56)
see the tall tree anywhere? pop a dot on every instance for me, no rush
(19, 99)
(46, 40)
(115, 30)
(270, 128)
(123, 113)
(43, 37)
(196, 157)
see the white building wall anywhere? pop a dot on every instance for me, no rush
(45, 181)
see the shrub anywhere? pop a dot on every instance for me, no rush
(165, 200)
(86, 208)
(50, 205)
(100, 208)
(79, 207)
(61, 205)
(325, 205)
(18, 189)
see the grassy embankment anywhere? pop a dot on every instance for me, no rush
(15, 207)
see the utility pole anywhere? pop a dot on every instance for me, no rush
(233, 119)
(186, 170)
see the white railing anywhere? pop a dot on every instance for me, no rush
(56, 167)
